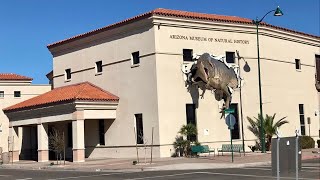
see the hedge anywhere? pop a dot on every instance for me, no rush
(307, 142)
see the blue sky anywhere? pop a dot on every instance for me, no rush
(28, 26)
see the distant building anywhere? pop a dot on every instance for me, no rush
(114, 84)
(14, 89)
(50, 78)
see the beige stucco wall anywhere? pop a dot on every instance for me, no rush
(156, 88)
(135, 85)
(283, 87)
(27, 91)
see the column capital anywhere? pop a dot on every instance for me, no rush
(78, 115)
(39, 121)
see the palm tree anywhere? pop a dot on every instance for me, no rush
(190, 131)
(269, 127)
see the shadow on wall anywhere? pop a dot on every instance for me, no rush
(194, 92)
(94, 134)
(29, 147)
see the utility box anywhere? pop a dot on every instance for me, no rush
(287, 155)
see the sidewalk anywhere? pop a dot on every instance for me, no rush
(158, 164)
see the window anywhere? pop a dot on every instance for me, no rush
(1, 94)
(230, 57)
(317, 67)
(139, 127)
(235, 131)
(17, 94)
(187, 54)
(191, 118)
(298, 64)
(301, 115)
(68, 74)
(70, 134)
(101, 132)
(135, 58)
(98, 67)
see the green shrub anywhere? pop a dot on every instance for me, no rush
(197, 143)
(318, 142)
(307, 142)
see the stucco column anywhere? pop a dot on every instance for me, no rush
(43, 146)
(78, 140)
(15, 143)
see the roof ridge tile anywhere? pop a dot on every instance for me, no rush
(176, 13)
(13, 76)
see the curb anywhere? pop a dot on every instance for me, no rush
(198, 166)
(181, 166)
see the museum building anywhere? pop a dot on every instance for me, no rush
(123, 85)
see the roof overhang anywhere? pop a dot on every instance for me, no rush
(67, 111)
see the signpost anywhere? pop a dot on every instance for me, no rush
(230, 121)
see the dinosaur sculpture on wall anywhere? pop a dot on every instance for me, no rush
(213, 73)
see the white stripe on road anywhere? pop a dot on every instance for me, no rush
(76, 177)
(4, 175)
(264, 169)
(311, 167)
(222, 174)
(247, 175)
(170, 175)
(24, 179)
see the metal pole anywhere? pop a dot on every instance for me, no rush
(297, 156)
(12, 148)
(151, 145)
(64, 150)
(9, 149)
(244, 152)
(278, 158)
(231, 137)
(262, 138)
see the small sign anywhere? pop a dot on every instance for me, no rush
(229, 110)
(230, 121)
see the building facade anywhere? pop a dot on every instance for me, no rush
(14, 89)
(139, 61)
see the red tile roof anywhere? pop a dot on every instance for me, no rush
(82, 91)
(15, 77)
(180, 14)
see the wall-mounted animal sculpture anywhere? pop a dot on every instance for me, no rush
(213, 73)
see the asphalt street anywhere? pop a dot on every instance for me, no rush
(310, 171)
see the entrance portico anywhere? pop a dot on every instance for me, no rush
(85, 103)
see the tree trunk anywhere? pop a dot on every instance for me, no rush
(269, 143)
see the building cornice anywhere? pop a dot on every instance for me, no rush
(235, 28)
(176, 14)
